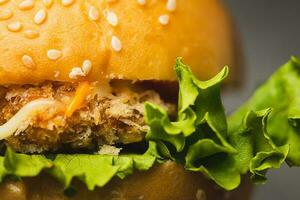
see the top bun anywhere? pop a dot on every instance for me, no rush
(74, 40)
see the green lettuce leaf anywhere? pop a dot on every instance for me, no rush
(3, 171)
(198, 138)
(92, 170)
(85, 168)
(281, 93)
(24, 165)
(256, 151)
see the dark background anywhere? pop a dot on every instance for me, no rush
(270, 34)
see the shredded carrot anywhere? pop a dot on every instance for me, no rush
(82, 91)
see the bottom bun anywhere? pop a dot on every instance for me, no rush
(163, 182)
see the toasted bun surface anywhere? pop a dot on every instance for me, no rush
(46, 41)
(166, 181)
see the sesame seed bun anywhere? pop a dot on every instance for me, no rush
(90, 40)
(164, 181)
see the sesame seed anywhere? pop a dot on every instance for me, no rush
(141, 2)
(56, 74)
(54, 54)
(67, 2)
(5, 14)
(31, 34)
(76, 72)
(93, 13)
(200, 195)
(86, 66)
(26, 5)
(116, 44)
(14, 27)
(171, 5)
(48, 3)
(40, 16)
(28, 62)
(111, 17)
(3, 1)
(141, 197)
(111, 76)
(164, 19)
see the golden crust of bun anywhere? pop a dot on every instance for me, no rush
(165, 181)
(118, 39)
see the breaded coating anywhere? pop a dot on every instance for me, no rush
(116, 118)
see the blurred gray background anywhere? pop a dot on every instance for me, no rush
(270, 33)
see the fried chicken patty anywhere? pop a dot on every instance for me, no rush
(113, 118)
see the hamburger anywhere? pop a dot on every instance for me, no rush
(89, 102)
